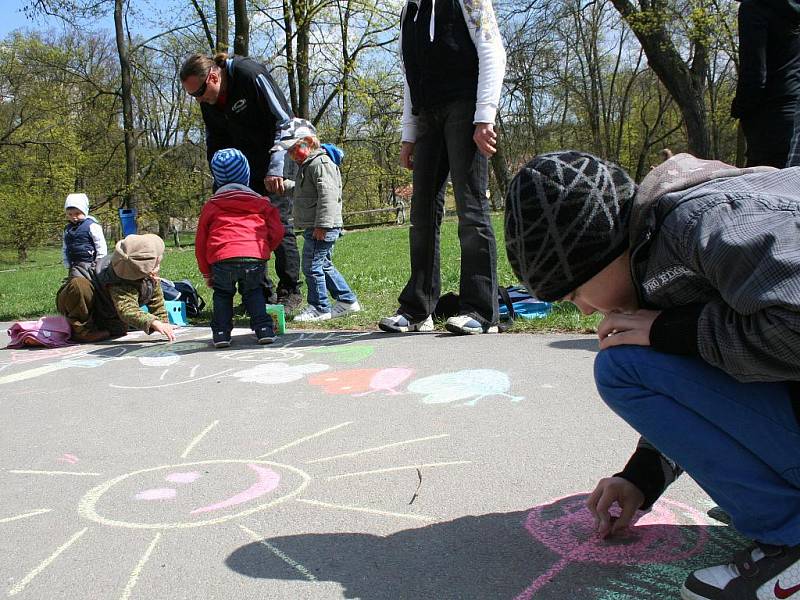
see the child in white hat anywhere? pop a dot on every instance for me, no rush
(84, 242)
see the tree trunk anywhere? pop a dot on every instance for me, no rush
(221, 10)
(241, 36)
(290, 62)
(685, 85)
(129, 197)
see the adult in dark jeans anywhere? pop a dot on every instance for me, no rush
(243, 108)
(768, 87)
(454, 64)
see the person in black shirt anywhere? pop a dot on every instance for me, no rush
(768, 87)
(454, 64)
(244, 108)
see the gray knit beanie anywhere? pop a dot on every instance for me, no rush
(566, 220)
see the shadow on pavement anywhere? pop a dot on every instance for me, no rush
(547, 553)
(589, 344)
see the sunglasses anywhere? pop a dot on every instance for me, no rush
(199, 92)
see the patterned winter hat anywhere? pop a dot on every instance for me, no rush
(230, 166)
(566, 220)
(294, 130)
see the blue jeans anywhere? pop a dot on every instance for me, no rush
(739, 441)
(321, 276)
(248, 277)
(445, 147)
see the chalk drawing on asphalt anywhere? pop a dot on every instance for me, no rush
(566, 527)
(198, 493)
(467, 385)
(360, 382)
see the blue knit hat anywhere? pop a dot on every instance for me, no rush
(230, 166)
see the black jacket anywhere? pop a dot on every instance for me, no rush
(254, 111)
(769, 56)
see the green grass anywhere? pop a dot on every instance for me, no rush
(374, 262)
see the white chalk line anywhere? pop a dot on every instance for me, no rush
(372, 511)
(40, 511)
(45, 563)
(404, 468)
(283, 556)
(197, 439)
(377, 448)
(305, 439)
(32, 472)
(126, 593)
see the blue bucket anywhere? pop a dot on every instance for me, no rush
(127, 217)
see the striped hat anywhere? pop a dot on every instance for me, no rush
(230, 166)
(566, 220)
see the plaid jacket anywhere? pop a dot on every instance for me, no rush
(726, 243)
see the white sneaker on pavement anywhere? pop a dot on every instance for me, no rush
(311, 313)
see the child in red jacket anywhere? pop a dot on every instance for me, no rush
(237, 232)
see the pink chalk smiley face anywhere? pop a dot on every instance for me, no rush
(192, 494)
(267, 481)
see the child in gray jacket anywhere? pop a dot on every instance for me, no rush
(317, 210)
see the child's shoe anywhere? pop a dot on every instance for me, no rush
(265, 335)
(400, 323)
(760, 572)
(222, 339)
(341, 309)
(467, 325)
(311, 313)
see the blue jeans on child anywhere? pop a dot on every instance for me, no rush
(247, 275)
(321, 276)
(739, 441)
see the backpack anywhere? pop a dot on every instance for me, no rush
(335, 153)
(513, 301)
(169, 289)
(188, 294)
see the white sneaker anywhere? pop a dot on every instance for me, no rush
(760, 572)
(341, 309)
(402, 324)
(466, 325)
(311, 313)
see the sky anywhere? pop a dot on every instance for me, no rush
(12, 17)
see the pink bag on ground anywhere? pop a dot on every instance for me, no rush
(51, 332)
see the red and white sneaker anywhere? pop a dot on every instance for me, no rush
(760, 572)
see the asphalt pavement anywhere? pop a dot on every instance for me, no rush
(327, 465)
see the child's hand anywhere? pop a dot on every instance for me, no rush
(163, 328)
(612, 490)
(319, 234)
(209, 281)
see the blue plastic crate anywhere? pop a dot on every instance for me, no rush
(176, 311)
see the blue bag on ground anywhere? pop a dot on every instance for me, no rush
(169, 289)
(188, 294)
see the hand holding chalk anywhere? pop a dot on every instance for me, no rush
(618, 329)
(610, 491)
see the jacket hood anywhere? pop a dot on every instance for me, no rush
(681, 172)
(238, 199)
